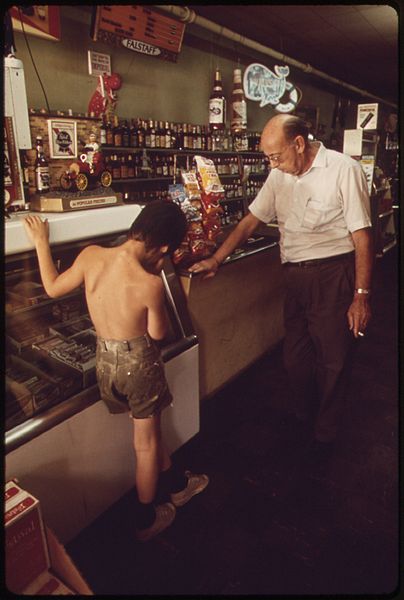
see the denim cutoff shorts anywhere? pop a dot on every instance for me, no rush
(130, 376)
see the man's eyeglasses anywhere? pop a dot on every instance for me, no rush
(275, 159)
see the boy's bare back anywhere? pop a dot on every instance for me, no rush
(124, 292)
(120, 293)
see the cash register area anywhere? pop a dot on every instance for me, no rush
(267, 524)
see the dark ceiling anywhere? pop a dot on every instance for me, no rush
(357, 44)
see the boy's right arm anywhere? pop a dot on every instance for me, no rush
(157, 317)
(55, 285)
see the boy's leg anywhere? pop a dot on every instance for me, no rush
(147, 445)
(146, 442)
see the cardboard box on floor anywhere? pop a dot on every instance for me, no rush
(36, 562)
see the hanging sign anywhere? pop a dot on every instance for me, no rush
(264, 86)
(40, 20)
(138, 28)
(367, 116)
(98, 64)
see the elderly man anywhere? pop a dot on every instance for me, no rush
(320, 199)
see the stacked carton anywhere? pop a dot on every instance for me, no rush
(26, 548)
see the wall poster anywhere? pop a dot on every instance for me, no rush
(62, 138)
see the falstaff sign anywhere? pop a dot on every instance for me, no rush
(264, 86)
(138, 28)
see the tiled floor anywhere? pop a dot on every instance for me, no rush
(266, 524)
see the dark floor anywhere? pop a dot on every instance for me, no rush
(267, 524)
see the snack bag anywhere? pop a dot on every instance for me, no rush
(211, 203)
(191, 185)
(207, 175)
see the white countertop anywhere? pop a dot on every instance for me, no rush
(70, 226)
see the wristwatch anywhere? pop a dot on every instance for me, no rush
(362, 291)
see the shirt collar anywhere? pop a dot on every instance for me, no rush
(320, 160)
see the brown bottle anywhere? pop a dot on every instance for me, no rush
(117, 133)
(42, 176)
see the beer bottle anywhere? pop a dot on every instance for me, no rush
(217, 105)
(42, 177)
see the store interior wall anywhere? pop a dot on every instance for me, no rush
(152, 88)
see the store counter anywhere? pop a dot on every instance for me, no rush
(238, 313)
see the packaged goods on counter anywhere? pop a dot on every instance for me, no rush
(78, 353)
(27, 293)
(69, 328)
(194, 245)
(199, 197)
(68, 309)
(24, 333)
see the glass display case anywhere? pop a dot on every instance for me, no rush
(50, 343)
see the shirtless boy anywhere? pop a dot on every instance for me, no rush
(126, 303)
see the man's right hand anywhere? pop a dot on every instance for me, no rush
(208, 266)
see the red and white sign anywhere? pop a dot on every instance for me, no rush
(41, 20)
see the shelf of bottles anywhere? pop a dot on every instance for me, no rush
(154, 153)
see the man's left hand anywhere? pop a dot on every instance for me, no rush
(359, 315)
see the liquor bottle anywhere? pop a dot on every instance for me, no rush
(217, 105)
(180, 136)
(158, 166)
(238, 121)
(124, 167)
(133, 141)
(186, 136)
(125, 135)
(109, 134)
(117, 133)
(42, 176)
(141, 133)
(116, 167)
(131, 167)
(103, 132)
(160, 135)
(173, 142)
(167, 135)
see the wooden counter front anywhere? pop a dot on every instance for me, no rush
(237, 315)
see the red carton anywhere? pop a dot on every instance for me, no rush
(26, 549)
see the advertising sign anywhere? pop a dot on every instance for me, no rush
(138, 28)
(40, 20)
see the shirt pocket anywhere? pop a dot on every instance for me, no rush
(318, 216)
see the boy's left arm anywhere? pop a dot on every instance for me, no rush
(55, 284)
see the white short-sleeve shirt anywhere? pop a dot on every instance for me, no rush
(316, 211)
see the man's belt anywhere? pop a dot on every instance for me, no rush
(314, 262)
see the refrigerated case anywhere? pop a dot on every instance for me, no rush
(60, 440)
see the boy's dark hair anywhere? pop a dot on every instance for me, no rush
(160, 223)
